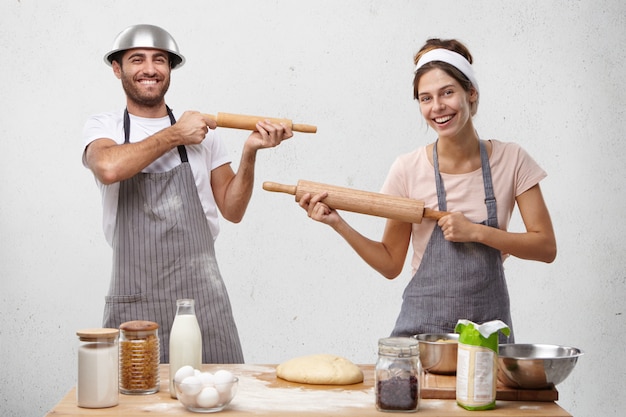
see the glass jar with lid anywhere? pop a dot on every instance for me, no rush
(397, 374)
(98, 356)
(139, 357)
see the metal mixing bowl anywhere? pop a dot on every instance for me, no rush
(146, 36)
(535, 366)
(438, 352)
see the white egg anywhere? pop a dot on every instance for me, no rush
(207, 378)
(197, 372)
(223, 376)
(183, 372)
(223, 382)
(191, 385)
(208, 397)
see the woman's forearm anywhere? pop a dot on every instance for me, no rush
(386, 257)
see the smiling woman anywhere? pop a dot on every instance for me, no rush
(446, 106)
(457, 260)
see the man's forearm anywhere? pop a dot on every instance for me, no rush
(239, 191)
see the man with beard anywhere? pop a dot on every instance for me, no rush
(163, 177)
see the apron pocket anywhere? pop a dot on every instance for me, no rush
(120, 299)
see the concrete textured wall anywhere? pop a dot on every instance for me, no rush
(551, 77)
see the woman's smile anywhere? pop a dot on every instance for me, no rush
(441, 120)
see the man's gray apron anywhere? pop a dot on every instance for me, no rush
(163, 251)
(456, 280)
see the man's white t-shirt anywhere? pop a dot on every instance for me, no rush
(203, 158)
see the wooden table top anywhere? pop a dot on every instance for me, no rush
(260, 392)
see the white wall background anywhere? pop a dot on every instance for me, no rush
(551, 75)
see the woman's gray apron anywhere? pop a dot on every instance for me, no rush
(163, 251)
(456, 280)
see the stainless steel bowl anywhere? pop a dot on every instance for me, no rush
(438, 352)
(535, 366)
(146, 36)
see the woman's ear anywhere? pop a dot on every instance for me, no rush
(473, 99)
(473, 95)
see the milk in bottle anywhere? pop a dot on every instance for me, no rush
(185, 340)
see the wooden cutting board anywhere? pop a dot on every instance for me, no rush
(436, 387)
(443, 387)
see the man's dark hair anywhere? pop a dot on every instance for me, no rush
(117, 56)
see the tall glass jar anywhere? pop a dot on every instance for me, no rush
(185, 340)
(397, 374)
(98, 358)
(139, 357)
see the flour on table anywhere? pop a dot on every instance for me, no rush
(255, 395)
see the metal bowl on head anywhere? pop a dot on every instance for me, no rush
(438, 352)
(535, 366)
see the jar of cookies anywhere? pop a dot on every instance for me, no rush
(139, 357)
(397, 374)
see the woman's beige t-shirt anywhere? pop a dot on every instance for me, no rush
(412, 175)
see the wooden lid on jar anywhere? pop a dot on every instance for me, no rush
(99, 333)
(138, 326)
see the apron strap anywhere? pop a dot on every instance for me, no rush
(181, 148)
(441, 191)
(490, 200)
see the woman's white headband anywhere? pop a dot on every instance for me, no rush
(456, 60)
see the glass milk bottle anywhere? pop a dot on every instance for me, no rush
(185, 340)
(98, 359)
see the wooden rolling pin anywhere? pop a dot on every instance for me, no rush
(242, 121)
(363, 202)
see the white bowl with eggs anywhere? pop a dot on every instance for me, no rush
(205, 392)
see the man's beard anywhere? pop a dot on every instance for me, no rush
(139, 97)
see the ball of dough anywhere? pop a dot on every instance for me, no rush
(322, 369)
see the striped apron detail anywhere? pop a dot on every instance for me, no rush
(163, 250)
(456, 280)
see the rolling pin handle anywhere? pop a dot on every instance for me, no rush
(303, 128)
(434, 214)
(280, 188)
(210, 116)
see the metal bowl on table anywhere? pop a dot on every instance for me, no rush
(438, 352)
(535, 366)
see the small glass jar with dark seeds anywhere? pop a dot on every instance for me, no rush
(397, 375)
